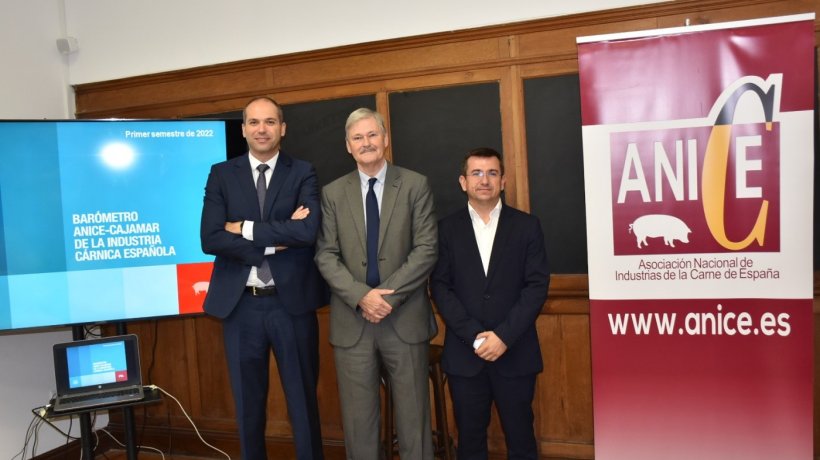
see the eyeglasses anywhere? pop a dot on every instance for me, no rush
(492, 174)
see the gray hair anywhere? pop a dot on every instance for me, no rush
(362, 113)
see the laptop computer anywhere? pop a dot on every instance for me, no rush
(97, 372)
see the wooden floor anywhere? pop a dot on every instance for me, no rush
(121, 455)
(331, 453)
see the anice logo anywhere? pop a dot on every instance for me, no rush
(705, 185)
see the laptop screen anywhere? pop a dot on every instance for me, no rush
(95, 364)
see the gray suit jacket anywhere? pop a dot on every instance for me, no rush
(408, 249)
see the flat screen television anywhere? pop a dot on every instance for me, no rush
(99, 220)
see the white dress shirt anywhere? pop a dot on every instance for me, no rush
(247, 227)
(485, 233)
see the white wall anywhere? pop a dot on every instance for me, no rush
(34, 73)
(34, 85)
(134, 37)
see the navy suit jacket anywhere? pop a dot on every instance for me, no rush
(230, 196)
(507, 300)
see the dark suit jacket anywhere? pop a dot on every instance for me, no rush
(506, 301)
(407, 252)
(230, 196)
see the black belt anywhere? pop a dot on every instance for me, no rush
(260, 292)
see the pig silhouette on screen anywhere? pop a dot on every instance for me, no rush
(201, 287)
(659, 225)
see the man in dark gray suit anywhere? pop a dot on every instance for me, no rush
(379, 308)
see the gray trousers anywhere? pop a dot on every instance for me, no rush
(357, 370)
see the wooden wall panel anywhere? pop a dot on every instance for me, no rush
(213, 398)
(551, 44)
(514, 138)
(328, 395)
(564, 402)
(166, 93)
(416, 60)
(189, 360)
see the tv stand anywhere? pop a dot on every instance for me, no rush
(86, 439)
(86, 436)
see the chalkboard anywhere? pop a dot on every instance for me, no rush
(315, 132)
(433, 129)
(556, 168)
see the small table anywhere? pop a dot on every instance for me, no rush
(152, 395)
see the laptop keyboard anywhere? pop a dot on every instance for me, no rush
(125, 392)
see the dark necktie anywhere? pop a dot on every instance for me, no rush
(263, 271)
(372, 213)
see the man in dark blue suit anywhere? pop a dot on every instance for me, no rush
(260, 219)
(489, 285)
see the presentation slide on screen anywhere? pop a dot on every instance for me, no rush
(99, 220)
(97, 364)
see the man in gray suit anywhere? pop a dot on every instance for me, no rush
(379, 308)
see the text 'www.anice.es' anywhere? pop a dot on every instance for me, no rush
(716, 323)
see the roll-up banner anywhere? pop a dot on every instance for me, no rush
(698, 164)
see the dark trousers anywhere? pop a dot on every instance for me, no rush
(257, 325)
(472, 403)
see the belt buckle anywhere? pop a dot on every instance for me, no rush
(262, 291)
